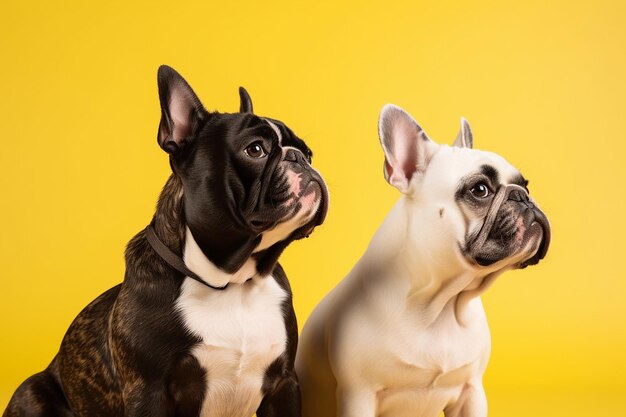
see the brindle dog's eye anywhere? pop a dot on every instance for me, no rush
(255, 150)
(480, 190)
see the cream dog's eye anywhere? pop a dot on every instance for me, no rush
(255, 150)
(480, 190)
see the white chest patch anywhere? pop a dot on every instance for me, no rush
(242, 332)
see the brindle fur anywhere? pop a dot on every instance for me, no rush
(128, 353)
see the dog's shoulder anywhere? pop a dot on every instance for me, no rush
(98, 310)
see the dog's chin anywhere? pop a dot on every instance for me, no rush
(537, 242)
(315, 203)
(536, 239)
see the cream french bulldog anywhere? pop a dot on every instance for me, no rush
(405, 333)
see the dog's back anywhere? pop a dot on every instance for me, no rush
(317, 381)
(84, 355)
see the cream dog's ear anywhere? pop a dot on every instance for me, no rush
(464, 139)
(407, 147)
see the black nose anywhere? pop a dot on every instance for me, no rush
(296, 156)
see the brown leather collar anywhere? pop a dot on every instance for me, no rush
(174, 260)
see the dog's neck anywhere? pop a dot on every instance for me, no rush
(197, 262)
(170, 227)
(169, 217)
(434, 285)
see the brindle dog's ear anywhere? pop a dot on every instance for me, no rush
(245, 105)
(464, 139)
(181, 110)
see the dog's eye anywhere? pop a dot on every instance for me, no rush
(480, 190)
(255, 150)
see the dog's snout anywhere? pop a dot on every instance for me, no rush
(294, 155)
(519, 196)
(291, 156)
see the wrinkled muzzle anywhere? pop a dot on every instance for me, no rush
(305, 191)
(295, 198)
(513, 224)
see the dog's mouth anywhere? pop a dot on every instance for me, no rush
(311, 207)
(297, 201)
(514, 228)
(539, 227)
(320, 193)
(303, 192)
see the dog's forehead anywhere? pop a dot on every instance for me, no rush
(248, 124)
(286, 137)
(463, 162)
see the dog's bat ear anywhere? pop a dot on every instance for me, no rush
(181, 110)
(464, 139)
(407, 147)
(245, 104)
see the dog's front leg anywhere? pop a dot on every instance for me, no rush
(284, 402)
(356, 403)
(471, 403)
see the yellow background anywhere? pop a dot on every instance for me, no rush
(542, 83)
